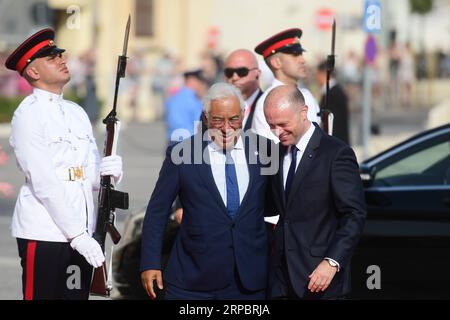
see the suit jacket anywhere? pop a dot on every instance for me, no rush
(323, 216)
(338, 104)
(210, 245)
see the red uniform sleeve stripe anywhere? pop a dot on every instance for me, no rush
(29, 282)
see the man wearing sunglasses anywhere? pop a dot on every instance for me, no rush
(241, 70)
(283, 54)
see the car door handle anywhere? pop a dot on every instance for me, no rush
(446, 201)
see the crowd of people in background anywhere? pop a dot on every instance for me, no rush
(397, 70)
(11, 85)
(6, 189)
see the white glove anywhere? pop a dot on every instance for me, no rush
(112, 166)
(89, 248)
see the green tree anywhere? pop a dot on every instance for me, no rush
(421, 7)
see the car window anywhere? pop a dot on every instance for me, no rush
(425, 165)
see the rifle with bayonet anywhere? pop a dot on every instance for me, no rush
(325, 114)
(109, 199)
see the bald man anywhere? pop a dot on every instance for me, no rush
(242, 71)
(319, 195)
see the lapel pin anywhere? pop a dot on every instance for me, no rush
(310, 156)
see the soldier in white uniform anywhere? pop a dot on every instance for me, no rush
(54, 216)
(283, 54)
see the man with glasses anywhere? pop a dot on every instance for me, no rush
(283, 54)
(221, 249)
(241, 70)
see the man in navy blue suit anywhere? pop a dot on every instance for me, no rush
(220, 177)
(319, 195)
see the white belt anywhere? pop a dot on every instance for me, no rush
(71, 174)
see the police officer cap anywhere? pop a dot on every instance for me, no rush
(287, 41)
(39, 45)
(197, 73)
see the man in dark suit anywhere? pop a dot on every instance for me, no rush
(221, 179)
(337, 103)
(242, 71)
(319, 195)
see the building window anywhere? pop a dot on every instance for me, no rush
(144, 18)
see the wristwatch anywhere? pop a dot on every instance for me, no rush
(333, 264)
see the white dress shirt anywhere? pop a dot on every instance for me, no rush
(218, 159)
(260, 124)
(49, 136)
(301, 146)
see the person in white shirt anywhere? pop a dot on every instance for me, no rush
(319, 196)
(221, 250)
(242, 71)
(55, 148)
(283, 54)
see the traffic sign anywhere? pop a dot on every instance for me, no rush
(324, 18)
(370, 49)
(372, 16)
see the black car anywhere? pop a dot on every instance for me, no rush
(127, 255)
(404, 252)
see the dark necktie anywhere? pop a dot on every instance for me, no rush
(291, 172)
(232, 186)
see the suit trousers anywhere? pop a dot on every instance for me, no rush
(53, 271)
(234, 291)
